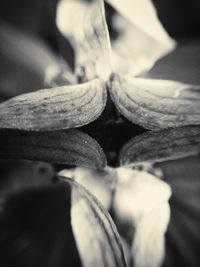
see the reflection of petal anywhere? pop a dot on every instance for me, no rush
(56, 108)
(142, 40)
(85, 26)
(156, 104)
(160, 145)
(70, 147)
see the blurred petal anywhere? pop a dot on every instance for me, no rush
(141, 38)
(161, 145)
(135, 197)
(70, 147)
(96, 236)
(100, 182)
(156, 104)
(142, 199)
(56, 108)
(83, 23)
(181, 65)
(182, 235)
(25, 62)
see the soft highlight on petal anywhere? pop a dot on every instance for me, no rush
(142, 199)
(84, 24)
(156, 104)
(96, 236)
(57, 108)
(142, 39)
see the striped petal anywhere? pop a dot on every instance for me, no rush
(161, 145)
(71, 147)
(156, 104)
(56, 108)
(96, 237)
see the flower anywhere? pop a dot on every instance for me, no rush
(156, 185)
(102, 63)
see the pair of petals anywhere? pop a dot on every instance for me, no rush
(153, 104)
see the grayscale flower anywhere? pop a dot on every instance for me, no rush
(104, 64)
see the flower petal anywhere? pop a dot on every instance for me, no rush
(161, 145)
(83, 23)
(56, 108)
(99, 182)
(141, 38)
(96, 236)
(38, 228)
(71, 147)
(182, 65)
(142, 200)
(156, 104)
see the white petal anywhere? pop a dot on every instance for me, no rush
(56, 108)
(96, 236)
(143, 199)
(142, 39)
(99, 183)
(83, 23)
